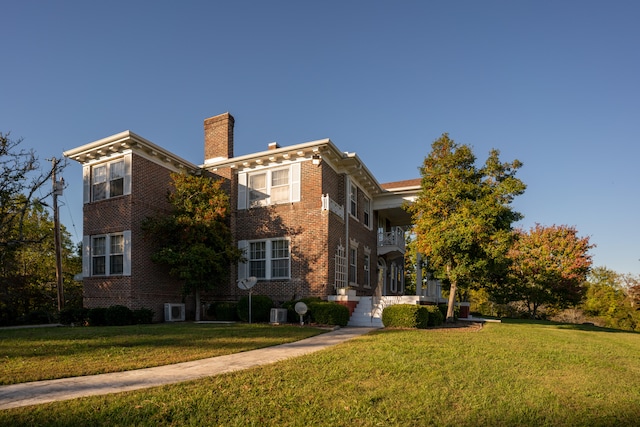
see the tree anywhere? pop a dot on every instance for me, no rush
(549, 266)
(20, 182)
(463, 215)
(195, 240)
(610, 298)
(27, 272)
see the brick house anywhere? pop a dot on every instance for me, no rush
(312, 220)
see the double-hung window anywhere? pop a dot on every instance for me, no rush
(367, 275)
(353, 200)
(107, 255)
(116, 254)
(280, 191)
(279, 259)
(269, 186)
(258, 189)
(258, 259)
(353, 265)
(105, 180)
(367, 212)
(268, 259)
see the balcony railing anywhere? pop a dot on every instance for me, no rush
(391, 240)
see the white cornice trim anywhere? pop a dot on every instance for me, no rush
(127, 141)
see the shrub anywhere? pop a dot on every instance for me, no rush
(226, 310)
(443, 310)
(260, 308)
(142, 316)
(405, 316)
(435, 315)
(118, 315)
(97, 316)
(329, 313)
(36, 317)
(74, 315)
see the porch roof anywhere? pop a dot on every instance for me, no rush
(394, 197)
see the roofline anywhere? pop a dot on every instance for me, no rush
(124, 141)
(342, 161)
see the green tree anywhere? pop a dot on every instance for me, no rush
(27, 272)
(611, 300)
(195, 240)
(549, 266)
(463, 215)
(20, 181)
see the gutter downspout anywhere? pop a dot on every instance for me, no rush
(347, 207)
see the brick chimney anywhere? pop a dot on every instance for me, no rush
(218, 138)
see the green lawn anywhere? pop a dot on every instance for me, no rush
(47, 353)
(509, 374)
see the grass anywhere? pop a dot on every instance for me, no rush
(48, 353)
(510, 374)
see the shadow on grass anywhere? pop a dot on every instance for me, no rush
(589, 327)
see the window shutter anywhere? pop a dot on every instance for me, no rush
(127, 174)
(86, 256)
(243, 267)
(295, 182)
(126, 268)
(242, 191)
(86, 184)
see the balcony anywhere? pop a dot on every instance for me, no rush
(391, 241)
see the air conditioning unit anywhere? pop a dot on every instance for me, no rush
(173, 312)
(278, 315)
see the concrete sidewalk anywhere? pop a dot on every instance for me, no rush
(33, 393)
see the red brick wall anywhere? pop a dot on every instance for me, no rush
(365, 237)
(149, 285)
(306, 225)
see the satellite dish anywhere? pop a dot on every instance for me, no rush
(301, 308)
(247, 283)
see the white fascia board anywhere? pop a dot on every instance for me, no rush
(120, 143)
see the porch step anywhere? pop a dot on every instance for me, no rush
(366, 315)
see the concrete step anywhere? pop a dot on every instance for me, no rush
(365, 314)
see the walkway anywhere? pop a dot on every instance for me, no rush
(33, 393)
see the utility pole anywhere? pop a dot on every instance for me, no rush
(57, 191)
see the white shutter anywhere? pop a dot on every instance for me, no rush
(86, 184)
(127, 174)
(242, 191)
(86, 256)
(126, 267)
(295, 182)
(243, 267)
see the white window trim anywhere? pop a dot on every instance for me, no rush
(87, 178)
(244, 267)
(244, 191)
(353, 200)
(366, 211)
(87, 256)
(340, 267)
(367, 270)
(353, 267)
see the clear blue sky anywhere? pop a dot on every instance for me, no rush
(555, 84)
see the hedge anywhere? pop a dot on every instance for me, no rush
(260, 308)
(118, 315)
(225, 310)
(405, 316)
(329, 313)
(74, 315)
(435, 315)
